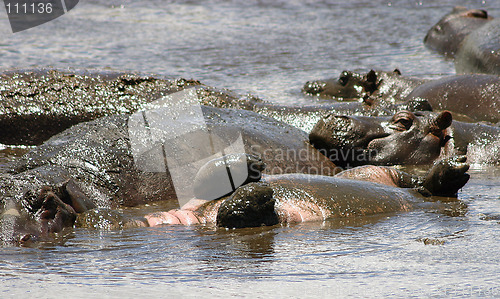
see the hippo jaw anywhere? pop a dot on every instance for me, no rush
(406, 138)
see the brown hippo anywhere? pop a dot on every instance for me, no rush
(480, 51)
(471, 37)
(406, 138)
(447, 35)
(96, 164)
(454, 93)
(476, 96)
(37, 104)
(295, 198)
(373, 86)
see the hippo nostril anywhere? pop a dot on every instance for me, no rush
(314, 87)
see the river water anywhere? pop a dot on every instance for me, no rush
(270, 49)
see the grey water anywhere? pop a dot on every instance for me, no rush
(270, 49)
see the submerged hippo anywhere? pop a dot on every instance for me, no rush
(406, 138)
(99, 164)
(447, 35)
(454, 93)
(300, 197)
(37, 104)
(471, 37)
(373, 86)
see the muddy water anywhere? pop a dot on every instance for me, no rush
(268, 48)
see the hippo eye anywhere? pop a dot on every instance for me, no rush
(344, 78)
(438, 28)
(402, 122)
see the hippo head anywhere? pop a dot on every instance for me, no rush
(349, 85)
(41, 212)
(406, 138)
(445, 37)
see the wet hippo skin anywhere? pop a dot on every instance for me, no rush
(374, 86)
(469, 36)
(476, 95)
(298, 197)
(91, 165)
(473, 97)
(37, 104)
(447, 35)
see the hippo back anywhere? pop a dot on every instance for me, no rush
(480, 51)
(98, 155)
(476, 96)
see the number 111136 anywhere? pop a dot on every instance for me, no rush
(29, 8)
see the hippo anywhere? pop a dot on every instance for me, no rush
(93, 165)
(476, 96)
(471, 37)
(405, 138)
(447, 35)
(293, 198)
(454, 93)
(479, 52)
(373, 86)
(37, 104)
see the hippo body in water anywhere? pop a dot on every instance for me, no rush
(296, 198)
(374, 86)
(92, 164)
(480, 51)
(473, 97)
(447, 35)
(400, 139)
(37, 104)
(476, 95)
(469, 36)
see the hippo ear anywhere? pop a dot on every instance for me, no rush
(477, 13)
(371, 76)
(444, 120)
(74, 196)
(370, 83)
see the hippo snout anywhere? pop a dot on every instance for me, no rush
(345, 139)
(346, 131)
(314, 87)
